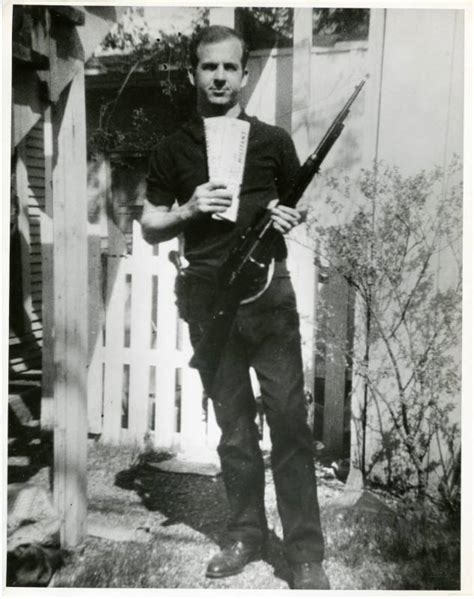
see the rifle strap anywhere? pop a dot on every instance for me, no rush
(270, 271)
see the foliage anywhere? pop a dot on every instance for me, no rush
(165, 58)
(341, 23)
(338, 23)
(266, 27)
(395, 251)
(129, 33)
(141, 137)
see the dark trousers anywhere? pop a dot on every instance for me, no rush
(266, 337)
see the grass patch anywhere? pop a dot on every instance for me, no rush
(185, 515)
(406, 551)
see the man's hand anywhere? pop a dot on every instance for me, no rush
(285, 218)
(209, 198)
(160, 223)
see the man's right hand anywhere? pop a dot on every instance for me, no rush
(160, 223)
(209, 198)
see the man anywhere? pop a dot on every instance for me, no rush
(265, 334)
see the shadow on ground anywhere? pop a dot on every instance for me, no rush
(29, 451)
(196, 501)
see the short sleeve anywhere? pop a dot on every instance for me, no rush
(159, 181)
(288, 165)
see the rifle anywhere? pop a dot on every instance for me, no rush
(251, 257)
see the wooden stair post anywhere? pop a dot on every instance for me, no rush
(69, 193)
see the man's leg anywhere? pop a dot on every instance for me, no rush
(239, 450)
(241, 459)
(292, 457)
(271, 326)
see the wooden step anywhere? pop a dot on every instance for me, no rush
(24, 403)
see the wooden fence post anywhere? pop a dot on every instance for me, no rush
(97, 197)
(165, 428)
(140, 333)
(337, 297)
(113, 351)
(370, 153)
(300, 246)
(301, 79)
(372, 93)
(69, 193)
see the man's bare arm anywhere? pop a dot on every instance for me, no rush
(160, 223)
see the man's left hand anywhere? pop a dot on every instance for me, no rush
(285, 218)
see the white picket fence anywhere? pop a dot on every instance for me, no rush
(140, 387)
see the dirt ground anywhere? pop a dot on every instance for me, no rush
(153, 529)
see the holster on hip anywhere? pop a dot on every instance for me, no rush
(194, 297)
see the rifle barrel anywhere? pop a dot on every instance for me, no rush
(337, 122)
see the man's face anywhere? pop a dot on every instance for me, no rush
(219, 76)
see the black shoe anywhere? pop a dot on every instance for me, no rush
(309, 575)
(232, 559)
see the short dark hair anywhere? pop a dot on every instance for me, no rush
(212, 35)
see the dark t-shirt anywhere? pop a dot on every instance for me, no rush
(178, 165)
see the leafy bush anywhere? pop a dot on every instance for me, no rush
(400, 250)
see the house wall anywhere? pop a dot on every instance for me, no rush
(414, 121)
(421, 109)
(26, 339)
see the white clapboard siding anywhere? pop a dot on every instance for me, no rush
(35, 167)
(25, 349)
